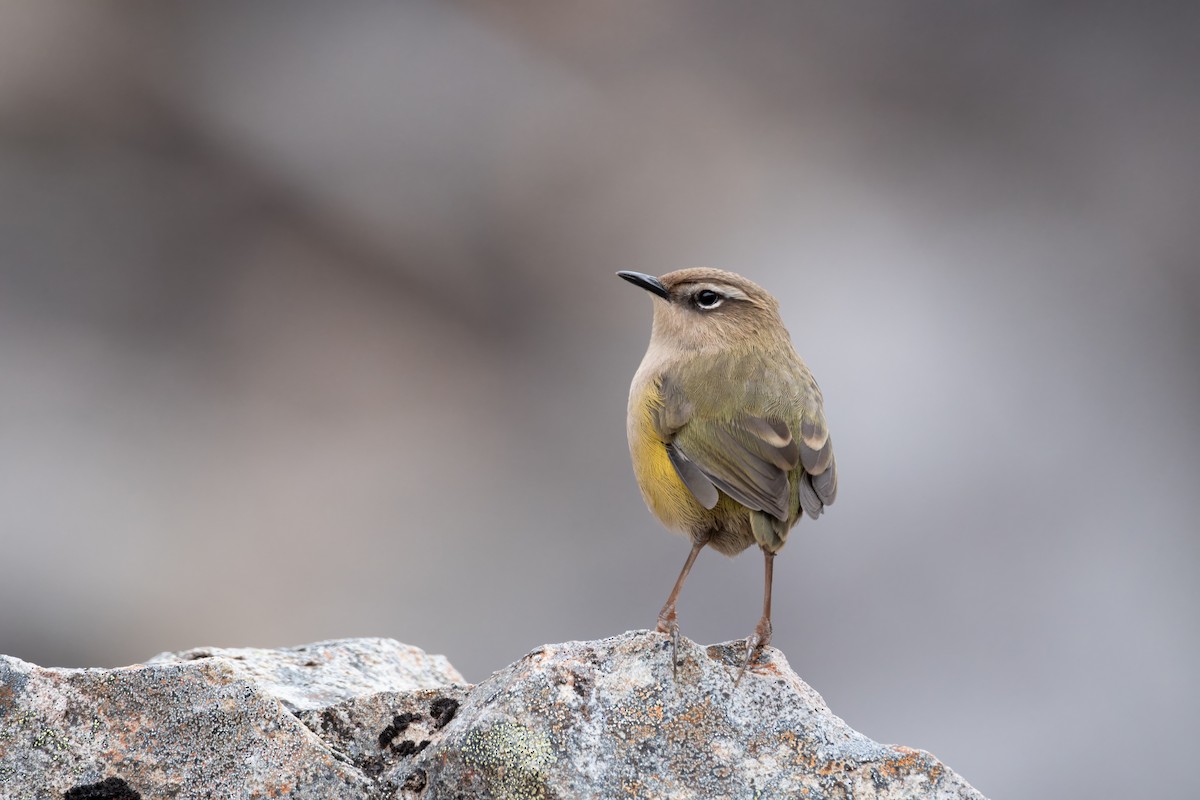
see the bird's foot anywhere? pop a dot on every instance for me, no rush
(668, 625)
(755, 642)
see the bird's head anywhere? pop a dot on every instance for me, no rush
(703, 309)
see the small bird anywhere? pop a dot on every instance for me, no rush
(726, 426)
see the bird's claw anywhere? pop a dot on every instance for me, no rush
(751, 647)
(669, 626)
(754, 643)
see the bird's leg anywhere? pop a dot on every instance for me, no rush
(762, 632)
(666, 617)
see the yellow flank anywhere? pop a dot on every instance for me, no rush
(664, 491)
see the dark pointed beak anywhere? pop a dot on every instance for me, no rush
(647, 282)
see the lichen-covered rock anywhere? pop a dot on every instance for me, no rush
(371, 718)
(317, 675)
(205, 723)
(608, 719)
(381, 733)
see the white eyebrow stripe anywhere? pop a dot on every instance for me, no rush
(725, 289)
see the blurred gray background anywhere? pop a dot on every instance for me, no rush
(309, 329)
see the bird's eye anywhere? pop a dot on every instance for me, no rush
(707, 298)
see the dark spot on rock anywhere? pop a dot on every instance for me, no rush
(199, 655)
(406, 748)
(416, 782)
(386, 735)
(310, 663)
(372, 766)
(443, 710)
(582, 684)
(397, 726)
(107, 789)
(332, 723)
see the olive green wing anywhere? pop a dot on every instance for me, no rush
(749, 457)
(670, 411)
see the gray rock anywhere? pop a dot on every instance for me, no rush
(608, 719)
(222, 723)
(318, 675)
(371, 718)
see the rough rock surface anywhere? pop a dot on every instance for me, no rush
(371, 718)
(203, 723)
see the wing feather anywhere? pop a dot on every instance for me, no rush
(735, 457)
(749, 457)
(693, 478)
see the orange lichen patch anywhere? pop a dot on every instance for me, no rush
(127, 732)
(640, 719)
(691, 726)
(636, 722)
(792, 745)
(911, 762)
(795, 746)
(835, 767)
(765, 668)
(632, 789)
